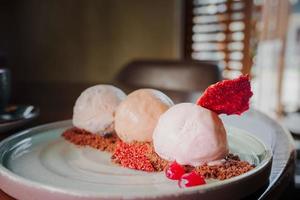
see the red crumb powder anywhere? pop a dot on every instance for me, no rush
(133, 156)
(228, 96)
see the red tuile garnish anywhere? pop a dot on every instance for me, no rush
(174, 171)
(228, 96)
(191, 179)
(133, 156)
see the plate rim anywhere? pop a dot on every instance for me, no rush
(4, 172)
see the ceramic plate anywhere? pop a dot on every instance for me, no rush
(39, 164)
(18, 116)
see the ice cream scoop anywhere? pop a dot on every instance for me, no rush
(95, 107)
(137, 116)
(190, 135)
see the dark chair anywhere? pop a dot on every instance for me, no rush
(182, 80)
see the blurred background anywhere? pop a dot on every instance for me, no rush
(87, 42)
(72, 44)
(55, 49)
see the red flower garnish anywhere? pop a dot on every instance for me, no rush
(228, 96)
(174, 171)
(191, 179)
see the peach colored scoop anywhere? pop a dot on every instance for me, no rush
(137, 116)
(191, 135)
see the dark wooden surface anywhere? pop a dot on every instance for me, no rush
(56, 101)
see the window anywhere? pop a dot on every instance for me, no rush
(219, 30)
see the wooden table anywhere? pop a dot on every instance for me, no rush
(57, 99)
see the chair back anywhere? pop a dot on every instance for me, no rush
(177, 78)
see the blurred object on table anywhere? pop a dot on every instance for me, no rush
(12, 117)
(292, 121)
(181, 80)
(16, 116)
(220, 31)
(5, 82)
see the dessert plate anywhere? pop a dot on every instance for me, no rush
(39, 164)
(16, 116)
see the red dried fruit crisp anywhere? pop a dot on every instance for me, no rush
(191, 179)
(228, 96)
(174, 171)
(133, 155)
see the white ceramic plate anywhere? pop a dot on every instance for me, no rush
(39, 164)
(23, 114)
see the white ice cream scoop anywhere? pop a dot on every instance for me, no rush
(95, 107)
(191, 135)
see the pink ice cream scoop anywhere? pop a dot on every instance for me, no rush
(191, 135)
(95, 107)
(137, 116)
